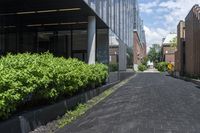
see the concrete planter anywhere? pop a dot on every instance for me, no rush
(33, 119)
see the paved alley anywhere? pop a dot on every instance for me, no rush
(148, 103)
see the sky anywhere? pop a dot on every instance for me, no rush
(162, 17)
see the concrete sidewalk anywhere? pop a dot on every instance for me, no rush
(153, 70)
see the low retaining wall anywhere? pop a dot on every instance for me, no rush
(125, 75)
(33, 119)
(113, 77)
(195, 81)
(119, 76)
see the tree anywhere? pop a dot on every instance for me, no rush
(144, 61)
(154, 54)
(174, 42)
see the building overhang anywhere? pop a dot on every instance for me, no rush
(55, 13)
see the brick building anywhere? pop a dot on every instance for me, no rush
(188, 54)
(192, 32)
(180, 53)
(139, 50)
(139, 38)
(168, 52)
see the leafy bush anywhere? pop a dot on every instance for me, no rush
(113, 67)
(162, 66)
(142, 67)
(32, 77)
(144, 61)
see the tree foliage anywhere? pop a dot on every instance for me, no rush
(154, 54)
(144, 61)
(174, 42)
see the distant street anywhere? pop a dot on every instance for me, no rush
(148, 103)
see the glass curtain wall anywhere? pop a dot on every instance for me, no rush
(66, 43)
(35, 41)
(102, 49)
(118, 14)
(138, 23)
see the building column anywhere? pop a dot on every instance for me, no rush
(122, 57)
(91, 39)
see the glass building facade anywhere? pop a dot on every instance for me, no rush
(61, 27)
(138, 23)
(118, 15)
(58, 27)
(139, 44)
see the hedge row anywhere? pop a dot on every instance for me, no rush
(27, 77)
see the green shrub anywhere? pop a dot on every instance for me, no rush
(99, 74)
(162, 66)
(113, 67)
(144, 61)
(142, 67)
(32, 77)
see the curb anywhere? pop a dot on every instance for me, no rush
(195, 81)
(31, 120)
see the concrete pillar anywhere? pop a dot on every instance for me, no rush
(91, 39)
(122, 57)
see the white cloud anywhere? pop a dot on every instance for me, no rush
(148, 7)
(178, 11)
(154, 35)
(161, 10)
(167, 15)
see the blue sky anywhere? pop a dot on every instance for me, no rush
(162, 16)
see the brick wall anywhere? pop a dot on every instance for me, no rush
(192, 38)
(177, 61)
(179, 56)
(139, 49)
(170, 58)
(168, 54)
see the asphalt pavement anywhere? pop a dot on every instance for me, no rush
(149, 103)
